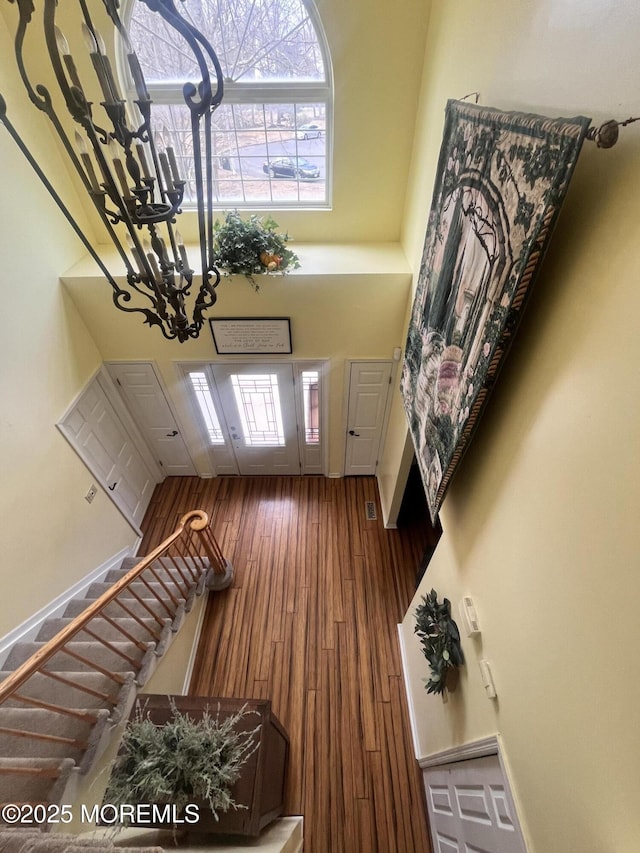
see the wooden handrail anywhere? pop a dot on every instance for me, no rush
(196, 521)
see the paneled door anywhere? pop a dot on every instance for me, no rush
(145, 398)
(369, 383)
(471, 808)
(102, 441)
(259, 409)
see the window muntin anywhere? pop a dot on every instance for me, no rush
(277, 97)
(257, 397)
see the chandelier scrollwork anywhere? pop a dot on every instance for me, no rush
(128, 168)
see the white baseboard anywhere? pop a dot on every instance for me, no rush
(28, 630)
(412, 713)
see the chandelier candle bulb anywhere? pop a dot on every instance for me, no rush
(89, 39)
(119, 168)
(97, 50)
(155, 269)
(171, 154)
(166, 171)
(183, 252)
(63, 47)
(136, 255)
(142, 157)
(88, 165)
(138, 79)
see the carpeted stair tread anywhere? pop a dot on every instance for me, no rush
(18, 784)
(92, 651)
(180, 590)
(57, 725)
(98, 588)
(45, 689)
(187, 564)
(78, 606)
(98, 625)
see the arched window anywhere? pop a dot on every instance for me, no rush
(271, 135)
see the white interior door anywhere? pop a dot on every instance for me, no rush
(95, 431)
(259, 409)
(148, 405)
(471, 809)
(369, 384)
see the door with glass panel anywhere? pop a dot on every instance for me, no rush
(259, 408)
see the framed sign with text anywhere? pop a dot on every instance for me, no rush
(251, 335)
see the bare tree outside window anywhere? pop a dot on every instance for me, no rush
(270, 134)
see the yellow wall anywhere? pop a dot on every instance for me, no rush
(50, 536)
(345, 302)
(540, 522)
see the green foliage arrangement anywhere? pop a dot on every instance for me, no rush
(181, 761)
(251, 246)
(440, 639)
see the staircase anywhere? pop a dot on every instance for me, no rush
(61, 695)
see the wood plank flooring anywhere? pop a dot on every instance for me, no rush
(310, 622)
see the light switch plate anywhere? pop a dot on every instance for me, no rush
(487, 680)
(469, 616)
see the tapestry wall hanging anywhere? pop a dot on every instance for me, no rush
(499, 186)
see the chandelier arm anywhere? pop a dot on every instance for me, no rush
(126, 194)
(62, 206)
(151, 318)
(41, 98)
(203, 97)
(208, 162)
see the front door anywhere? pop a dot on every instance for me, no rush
(259, 409)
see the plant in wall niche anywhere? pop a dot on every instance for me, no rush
(181, 761)
(440, 640)
(251, 246)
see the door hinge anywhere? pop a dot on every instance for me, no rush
(160, 463)
(389, 380)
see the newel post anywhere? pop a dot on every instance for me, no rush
(221, 570)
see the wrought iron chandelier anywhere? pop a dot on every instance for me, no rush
(132, 178)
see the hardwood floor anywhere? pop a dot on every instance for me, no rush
(310, 623)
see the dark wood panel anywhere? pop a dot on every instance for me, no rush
(310, 623)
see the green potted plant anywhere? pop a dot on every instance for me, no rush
(251, 246)
(440, 641)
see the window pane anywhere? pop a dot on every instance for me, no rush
(261, 152)
(258, 401)
(207, 410)
(310, 399)
(255, 40)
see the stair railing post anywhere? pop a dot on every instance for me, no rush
(200, 526)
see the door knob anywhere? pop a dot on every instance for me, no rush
(171, 434)
(353, 432)
(111, 488)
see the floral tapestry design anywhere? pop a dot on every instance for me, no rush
(500, 183)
